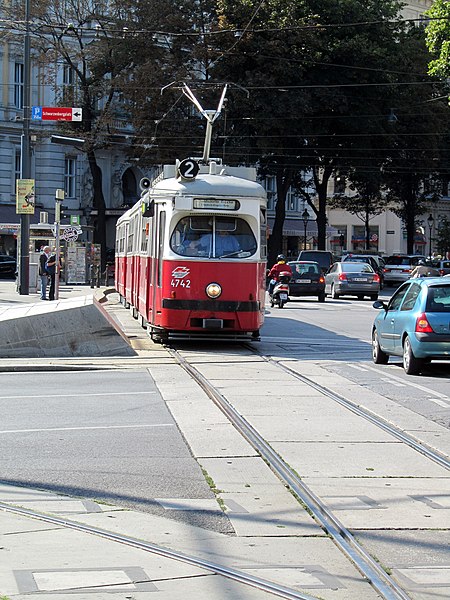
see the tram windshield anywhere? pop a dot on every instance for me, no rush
(213, 237)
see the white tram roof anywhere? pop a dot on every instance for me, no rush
(210, 185)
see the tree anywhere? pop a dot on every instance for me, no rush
(442, 239)
(308, 103)
(438, 38)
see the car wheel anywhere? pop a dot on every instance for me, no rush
(411, 364)
(379, 357)
(360, 296)
(374, 297)
(333, 293)
(321, 297)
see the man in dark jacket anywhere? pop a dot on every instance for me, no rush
(51, 270)
(43, 271)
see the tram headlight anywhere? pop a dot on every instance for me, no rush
(213, 290)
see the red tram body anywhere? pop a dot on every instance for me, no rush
(191, 254)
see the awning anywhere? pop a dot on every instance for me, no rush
(296, 228)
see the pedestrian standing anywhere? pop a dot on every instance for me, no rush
(45, 254)
(51, 270)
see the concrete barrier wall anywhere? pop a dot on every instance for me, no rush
(73, 327)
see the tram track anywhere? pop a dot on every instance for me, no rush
(236, 575)
(344, 539)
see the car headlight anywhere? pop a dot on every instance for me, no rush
(213, 290)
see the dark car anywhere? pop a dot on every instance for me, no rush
(376, 263)
(323, 257)
(307, 280)
(8, 265)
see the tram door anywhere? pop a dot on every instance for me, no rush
(157, 265)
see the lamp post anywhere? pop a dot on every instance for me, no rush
(430, 221)
(25, 160)
(305, 219)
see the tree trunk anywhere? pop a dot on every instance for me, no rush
(275, 245)
(321, 212)
(98, 203)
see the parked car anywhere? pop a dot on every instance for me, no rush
(8, 265)
(415, 324)
(376, 262)
(307, 280)
(352, 279)
(323, 257)
(398, 267)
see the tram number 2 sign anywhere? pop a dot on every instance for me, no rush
(188, 168)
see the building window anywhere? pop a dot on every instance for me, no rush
(68, 88)
(70, 177)
(18, 85)
(339, 184)
(271, 186)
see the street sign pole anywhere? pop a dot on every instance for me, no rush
(59, 197)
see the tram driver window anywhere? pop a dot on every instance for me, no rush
(213, 237)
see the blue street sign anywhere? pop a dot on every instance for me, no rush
(36, 113)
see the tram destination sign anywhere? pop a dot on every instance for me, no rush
(216, 204)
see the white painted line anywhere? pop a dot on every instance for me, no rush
(124, 393)
(394, 383)
(422, 388)
(439, 402)
(85, 428)
(358, 368)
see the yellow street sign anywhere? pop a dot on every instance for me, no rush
(25, 198)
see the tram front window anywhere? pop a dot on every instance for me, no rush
(213, 237)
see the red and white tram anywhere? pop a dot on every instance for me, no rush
(191, 254)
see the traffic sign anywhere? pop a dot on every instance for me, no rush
(70, 234)
(56, 113)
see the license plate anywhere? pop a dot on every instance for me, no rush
(360, 279)
(303, 281)
(283, 296)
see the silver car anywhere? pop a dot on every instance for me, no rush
(352, 279)
(398, 267)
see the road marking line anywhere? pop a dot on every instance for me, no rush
(415, 385)
(394, 383)
(439, 402)
(358, 368)
(77, 394)
(85, 428)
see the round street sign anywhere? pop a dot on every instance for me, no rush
(70, 234)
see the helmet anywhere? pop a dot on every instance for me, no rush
(421, 261)
(281, 257)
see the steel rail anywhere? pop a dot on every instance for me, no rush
(364, 563)
(227, 572)
(364, 413)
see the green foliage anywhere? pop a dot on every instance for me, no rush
(438, 38)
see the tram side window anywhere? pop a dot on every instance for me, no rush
(213, 237)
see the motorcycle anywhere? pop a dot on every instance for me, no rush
(280, 292)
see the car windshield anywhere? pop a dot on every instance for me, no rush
(438, 299)
(349, 267)
(403, 260)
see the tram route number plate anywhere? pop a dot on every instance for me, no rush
(188, 168)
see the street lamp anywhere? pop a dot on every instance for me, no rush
(430, 221)
(305, 219)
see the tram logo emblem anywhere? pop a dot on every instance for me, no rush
(180, 272)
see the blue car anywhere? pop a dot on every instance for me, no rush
(415, 324)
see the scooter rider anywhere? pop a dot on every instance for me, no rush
(278, 267)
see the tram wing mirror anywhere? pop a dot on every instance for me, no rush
(148, 209)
